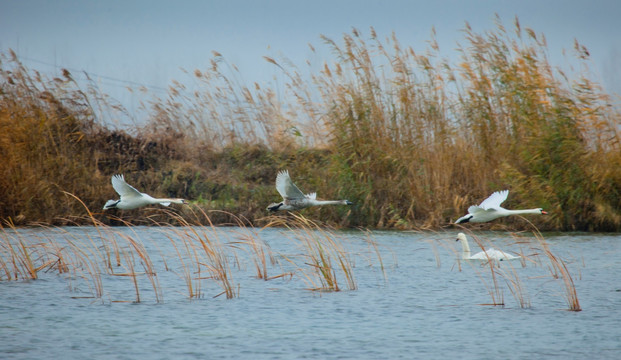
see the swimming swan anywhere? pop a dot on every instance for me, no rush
(490, 209)
(294, 199)
(490, 254)
(132, 198)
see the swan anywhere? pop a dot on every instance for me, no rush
(489, 254)
(132, 198)
(490, 209)
(294, 198)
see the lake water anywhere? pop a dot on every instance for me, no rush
(413, 297)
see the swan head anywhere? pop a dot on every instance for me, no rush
(111, 204)
(273, 207)
(461, 237)
(347, 202)
(543, 212)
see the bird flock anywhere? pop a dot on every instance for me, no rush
(294, 199)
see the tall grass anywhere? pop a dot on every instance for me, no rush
(329, 263)
(558, 269)
(411, 137)
(419, 139)
(102, 254)
(206, 252)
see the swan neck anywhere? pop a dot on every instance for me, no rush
(329, 202)
(465, 249)
(166, 200)
(526, 211)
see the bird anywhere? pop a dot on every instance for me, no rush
(294, 198)
(490, 209)
(130, 198)
(489, 254)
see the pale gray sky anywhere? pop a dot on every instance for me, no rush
(148, 41)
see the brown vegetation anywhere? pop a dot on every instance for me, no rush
(412, 139)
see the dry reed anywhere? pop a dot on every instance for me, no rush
(395, 130)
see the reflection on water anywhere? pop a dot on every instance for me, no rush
(413, 300)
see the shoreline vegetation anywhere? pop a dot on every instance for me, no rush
(411, 138)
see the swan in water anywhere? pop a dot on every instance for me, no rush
(489, 254)
(490, 209)
(132, 198)
(294, 198)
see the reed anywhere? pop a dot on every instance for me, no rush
(499, 272)
(558, 268)
(324, 254)
(16, 260)
(515, 284)
(208, 251)
(85, 266)
(189, 262)
(259, 250)
(135, 253)
(21, 258)
(494, 290)
(413, 139)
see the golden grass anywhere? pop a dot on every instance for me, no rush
(202, 253)
(206, 253)
(412, 139)
(328, 261)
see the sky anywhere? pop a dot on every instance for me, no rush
(148, 42)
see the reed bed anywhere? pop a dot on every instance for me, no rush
(209, 254)
(412, 138)
(202, 255)
(328, 263)
(205, 255)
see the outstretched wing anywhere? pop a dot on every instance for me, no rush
(474, 209)
(494, 200)
(286, 187)
(123, 188)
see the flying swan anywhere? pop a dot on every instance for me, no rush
(132, 198)
(294, 198)
(490, 209)
(489, 254)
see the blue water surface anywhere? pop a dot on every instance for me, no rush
(414, 299)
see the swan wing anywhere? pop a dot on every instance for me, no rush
(286, 187)
(479, 256)
(501, 255)
(475, 209)
(494, 200)
(124, 189)
(493, 254)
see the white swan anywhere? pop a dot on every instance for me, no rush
(490, 209)
(489, 254)
(132, 198)
(294, 198)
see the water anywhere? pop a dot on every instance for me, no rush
(426, 304)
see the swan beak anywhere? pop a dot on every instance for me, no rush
(544, 212)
